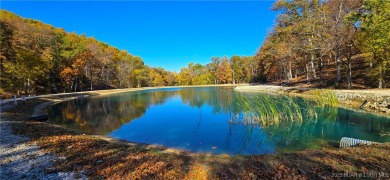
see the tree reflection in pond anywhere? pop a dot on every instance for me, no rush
(217, 120)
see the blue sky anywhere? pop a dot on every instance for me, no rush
(167, 34)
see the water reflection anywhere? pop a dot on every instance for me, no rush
(217, 120)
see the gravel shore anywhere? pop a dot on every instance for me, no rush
(21, 159)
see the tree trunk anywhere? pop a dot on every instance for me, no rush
(81, 87)
(25, 86)
(380, 78)
(75, 85)
(71, 85)
(28, 87)
(307, 73)
(349, 67)
(53, 82)
(234, 81)
(91, 75)
(102, 74)
(338, 75)
(320, 68)
(289, 71)
(107, 72)
(349, 74)
(313, 71)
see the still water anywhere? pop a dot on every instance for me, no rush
(218, 120)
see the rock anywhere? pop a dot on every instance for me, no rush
(50, 170)
(281, 168)
(388, 111)
(384, 104)
(252, 176)
(370, 105)
(301, 171)
(376, 106)
(383, 109)
(232, 171)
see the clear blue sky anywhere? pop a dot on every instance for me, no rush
(167, 34)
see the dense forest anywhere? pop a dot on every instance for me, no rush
(330, 43)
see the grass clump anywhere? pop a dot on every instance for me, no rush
(325, 98)
(268, 109)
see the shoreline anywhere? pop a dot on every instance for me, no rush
(61, 97)
(112, 91)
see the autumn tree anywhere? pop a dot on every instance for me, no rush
(342, 33)
(374, 37)
(38, 58)
(184, 77)
(7, 52)
(224, 72)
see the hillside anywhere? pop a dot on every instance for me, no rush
(360, 78)
(37, 58)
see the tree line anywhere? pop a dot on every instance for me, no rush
(309, 37)
(221, 70)
(313, 36)
(36, 58)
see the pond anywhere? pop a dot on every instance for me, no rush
(218, 120)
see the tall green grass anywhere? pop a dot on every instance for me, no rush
(267, 110)
(325, 98)
(284, 117)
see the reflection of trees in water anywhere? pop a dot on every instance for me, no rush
(219, 98)
(285, 119)
(102, 115)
